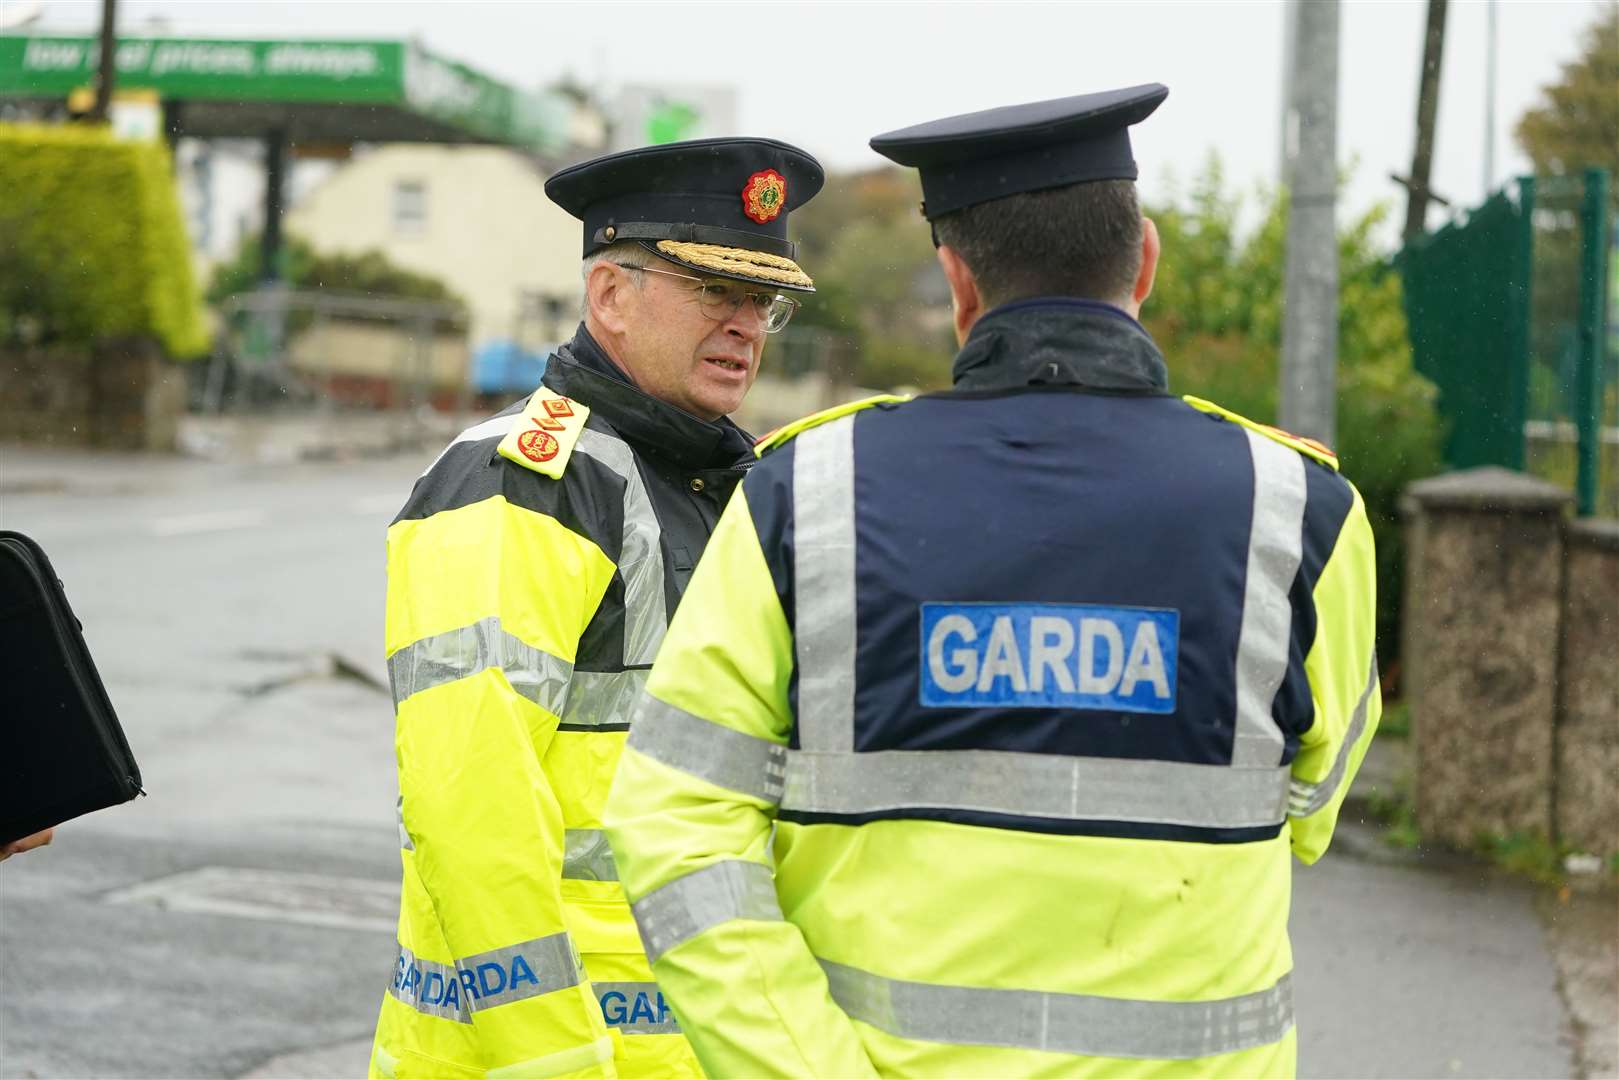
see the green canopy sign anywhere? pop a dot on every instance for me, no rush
(448, 101)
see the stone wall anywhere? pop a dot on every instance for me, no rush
(115, 393)
(1587, 794)
(1512, 662)
(1483, 583)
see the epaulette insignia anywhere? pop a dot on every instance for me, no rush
(542, 438)
(1308, 447)
(772, 439)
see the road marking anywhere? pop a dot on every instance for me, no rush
(378, 504)
(215, 521)
(281, 895)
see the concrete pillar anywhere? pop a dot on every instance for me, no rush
(1587, 794)
(1483, 589)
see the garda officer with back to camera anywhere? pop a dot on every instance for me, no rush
(530, 579)
(1040, 680)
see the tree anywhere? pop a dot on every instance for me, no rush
(876, 280)
(1576, 124)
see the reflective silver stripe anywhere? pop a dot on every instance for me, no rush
(1037, 785)
(428, 987)
(640, 562)
(604, 698)
(455, 654)
(823, 568)
(405, 841)
(495, 427)
(586, 856)
(722, 756)
(1306, 798)
(1275, 546)
(701, 900)
(635, 1008)
(1063, 1023)
(516, 972)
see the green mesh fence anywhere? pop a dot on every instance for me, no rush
(1509, 315)
(1571, 427)
(1465, 291)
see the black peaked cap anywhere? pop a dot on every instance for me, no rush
(729, 195)
(974, 158)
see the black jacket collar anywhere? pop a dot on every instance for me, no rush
(1061, 341)
(581, 370)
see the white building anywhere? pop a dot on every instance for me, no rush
(475, 217)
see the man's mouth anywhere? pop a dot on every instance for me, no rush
(727, 363)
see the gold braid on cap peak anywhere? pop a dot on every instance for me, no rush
(729, 260)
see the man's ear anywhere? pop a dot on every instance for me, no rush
(966, 302)
(607, 289)
(1150, 251)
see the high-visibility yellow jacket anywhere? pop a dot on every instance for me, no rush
(988, 724)
(529, 577)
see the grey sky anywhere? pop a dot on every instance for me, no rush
(829, 75)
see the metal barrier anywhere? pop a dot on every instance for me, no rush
(280, 348)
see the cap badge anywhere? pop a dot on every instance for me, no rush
(764, 196)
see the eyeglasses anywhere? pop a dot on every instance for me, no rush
(721, 300)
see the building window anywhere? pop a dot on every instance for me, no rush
(410, 207)
(543, 319)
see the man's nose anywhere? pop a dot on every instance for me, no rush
(746, 322)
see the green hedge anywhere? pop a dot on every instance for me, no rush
(92, 242)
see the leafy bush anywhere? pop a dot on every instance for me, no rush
(92, 242)
(877, 283)
(370, 273)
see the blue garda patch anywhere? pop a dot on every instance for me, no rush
(1045, 656)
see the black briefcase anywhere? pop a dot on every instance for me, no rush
(62, 752)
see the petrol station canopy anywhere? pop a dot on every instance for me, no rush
(303, 91)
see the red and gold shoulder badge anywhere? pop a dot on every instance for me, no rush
(1308, 447)
(1322, 450)
(542, 438)
(764, 196)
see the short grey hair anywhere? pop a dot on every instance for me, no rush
(628, 253)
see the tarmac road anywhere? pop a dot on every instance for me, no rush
(239, 919)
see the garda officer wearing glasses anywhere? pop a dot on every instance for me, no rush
(530, 579)
(992, 719)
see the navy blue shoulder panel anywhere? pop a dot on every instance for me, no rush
(1060, 506)
(1328, 499)
(769, 488)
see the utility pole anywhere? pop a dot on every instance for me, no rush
(1310, 302)
(1288, 138)
(1489, 101)
(275, 174)
(1433, 49)
(107, 69)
